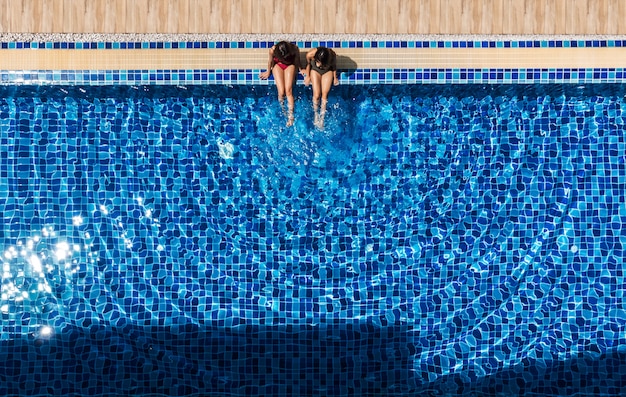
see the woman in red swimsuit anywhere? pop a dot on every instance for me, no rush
(284, 62)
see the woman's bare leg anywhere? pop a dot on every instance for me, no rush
(326, 83)
(316, 83)
(279, 78)
(289, 78)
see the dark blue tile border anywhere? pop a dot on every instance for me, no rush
(355, 77)
(544, 43)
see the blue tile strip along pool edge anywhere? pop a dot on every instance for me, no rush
(356, 77)
(310, 44)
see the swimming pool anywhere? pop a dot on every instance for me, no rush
(179, 240)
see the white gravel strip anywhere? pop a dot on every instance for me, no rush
(72, 37)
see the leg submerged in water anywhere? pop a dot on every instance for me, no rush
(284, 60)
(316, 100)
(321, 72)
(323, 88)
(289, 76)
(284, 84)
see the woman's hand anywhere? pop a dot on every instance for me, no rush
(265, 75)
(307, 79)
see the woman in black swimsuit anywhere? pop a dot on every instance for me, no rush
(284, 62)
(321, 73)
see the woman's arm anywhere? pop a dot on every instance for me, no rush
(334, 68)
(307, 71)
(270, 64)
(296, 56)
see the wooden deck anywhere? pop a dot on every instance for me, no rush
(496, 17)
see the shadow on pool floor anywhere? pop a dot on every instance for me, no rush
(341, 360)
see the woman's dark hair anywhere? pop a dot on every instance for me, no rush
(322, 55)
(283, 51)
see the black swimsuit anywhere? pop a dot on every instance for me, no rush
(317, 69)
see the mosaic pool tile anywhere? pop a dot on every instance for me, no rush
(352, 77)
(431, 239)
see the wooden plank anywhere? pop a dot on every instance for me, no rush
(407, 12)
(117, 16)
(388, 16)
(451, 11)
(263, 15)
(288, 20)
(88, 11)
(611, 21)
(176, 18)
(514, 17)
(215, 13)
(101, 16)
(597, 17)
(621, 15)
(325, 17)
(167, 16)
(48, 16)
(410, 11)
(361, 16)
(370, 16)
(275, 20)
(199, 14)
(442, 23)
(193, 17)
(547, 9)
(558, 17)
(75, 15)
(347, 10)
(576, 15)
(20, 16)
(242, 19)
(617, 13)
(357, 25)
(4, 16)
(533, 10)
(136, 16)
(114, 15)
(423, 13)
(158, 19)
(8, 15)
(42, 22)
(492, 17)
(469, 17)
(302, 9)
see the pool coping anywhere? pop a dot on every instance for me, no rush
(417, 59)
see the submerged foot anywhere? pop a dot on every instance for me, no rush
(318, 122)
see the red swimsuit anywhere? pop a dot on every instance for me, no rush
(282, 64)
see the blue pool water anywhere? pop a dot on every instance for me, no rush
(442, 240)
